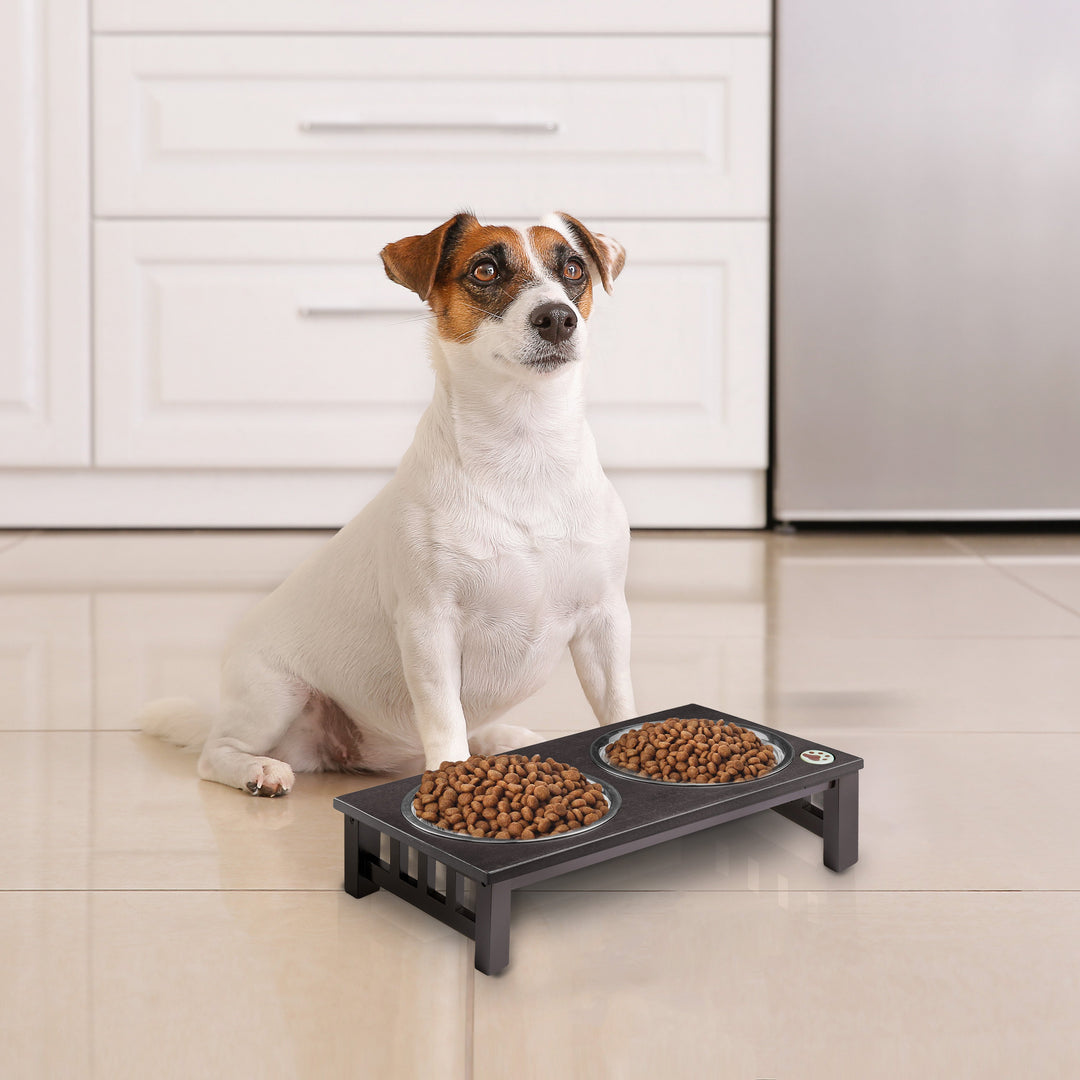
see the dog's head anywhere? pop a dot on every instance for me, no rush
(514, 298)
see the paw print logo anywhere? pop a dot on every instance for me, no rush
(816, 757)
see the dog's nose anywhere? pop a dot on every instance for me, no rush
(554, 321)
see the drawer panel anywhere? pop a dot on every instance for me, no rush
(463, 16)
(395, 126)
(271, 344)
(283, 345)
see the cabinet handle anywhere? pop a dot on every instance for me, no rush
(332, 311)
(512, 127)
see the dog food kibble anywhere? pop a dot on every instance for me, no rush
(693, 752)
(509, 797)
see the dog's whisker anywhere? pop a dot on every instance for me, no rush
(483, 311)
(426, 317)
(509, 296)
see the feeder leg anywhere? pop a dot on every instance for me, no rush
(492, 928)
(361, 849)
(841, 822)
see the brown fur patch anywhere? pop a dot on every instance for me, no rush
(460, 302)
(415, 260)
(553, 251)
(609, 255)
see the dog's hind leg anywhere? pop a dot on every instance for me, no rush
(259, 703)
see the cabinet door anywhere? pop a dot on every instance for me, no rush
(44, 234)
(269, 345)
(283, 344)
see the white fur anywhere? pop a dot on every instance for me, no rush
(449, 598)
(177, 720)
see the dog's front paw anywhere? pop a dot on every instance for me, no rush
(269, 777)
(500, 739)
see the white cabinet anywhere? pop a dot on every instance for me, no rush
(44, 234)
(251, 364)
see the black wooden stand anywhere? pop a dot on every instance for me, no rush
(467, 884)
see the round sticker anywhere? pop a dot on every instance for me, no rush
(816, 757)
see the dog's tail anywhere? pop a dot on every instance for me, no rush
(180, 721)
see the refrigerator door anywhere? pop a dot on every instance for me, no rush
(927, 335)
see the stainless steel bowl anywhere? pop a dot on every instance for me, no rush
(611, 794)
(781, 749)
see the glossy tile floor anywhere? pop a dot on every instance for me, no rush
(155, 925)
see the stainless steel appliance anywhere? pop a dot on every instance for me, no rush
(927, 335)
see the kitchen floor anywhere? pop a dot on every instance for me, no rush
(155, 925)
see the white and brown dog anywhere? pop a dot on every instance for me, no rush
(498, 542)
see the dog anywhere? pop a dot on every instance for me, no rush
(498, 542)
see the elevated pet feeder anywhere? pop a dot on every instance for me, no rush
(467, 883)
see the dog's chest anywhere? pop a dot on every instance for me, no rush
(517, 611)
(528, 587)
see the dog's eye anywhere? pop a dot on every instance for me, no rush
(573, 270)
(485, 272)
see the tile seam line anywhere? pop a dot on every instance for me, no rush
(959, 544)
(69, 589)
(994, 564)
(19, 540)
(560, 733)
(569, 892)
(1032, 588)
(900, 637)
(789, 891)
(470, 1019)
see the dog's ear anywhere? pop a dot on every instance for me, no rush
(608, 255)
(414, 261)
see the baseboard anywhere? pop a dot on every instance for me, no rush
(282, 499)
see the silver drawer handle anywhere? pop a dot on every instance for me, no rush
(331, 311)
(522, 127)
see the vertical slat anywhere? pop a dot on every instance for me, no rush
(422, 882)
(370, 839)
(395, 857)
(455, 889)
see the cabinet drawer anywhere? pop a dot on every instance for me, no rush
(270, 344)
(391, 125)
(463, 16)
(283, 344)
